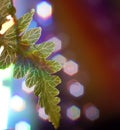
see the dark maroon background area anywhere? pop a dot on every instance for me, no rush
(94, 31)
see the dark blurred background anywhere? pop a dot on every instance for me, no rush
(87, 38)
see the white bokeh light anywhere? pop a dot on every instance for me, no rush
(27, 89)
(5, 95)
(70, 67)
(22, 125)
(91, 112)
(44, 10)
(60, 59)
(17, 103)
(42, 114)
(6, 73)
(73, 112)
(1, 49)
(76, 89)
(4, 105)
(7, 24)
(57, 42)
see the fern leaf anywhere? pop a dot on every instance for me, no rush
(32, 77)
(21, 68)
(30, 59)
(7, 57)
(31, 36)
(24, 21)
(46, 48)
(11, 34)
(45, 88)
(53, 66)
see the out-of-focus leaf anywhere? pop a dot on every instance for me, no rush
(6, 8)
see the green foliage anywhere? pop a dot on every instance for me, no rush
(24, 21)
(7, 57)
(21, 68)
(31, 60)
(6, 9)
(45, 88)
(31, 36)
(46, 48)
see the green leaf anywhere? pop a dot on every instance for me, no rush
(21, 68)
(32, 77)
(5, 10)
(13, 32)
(50, 66)
(4, 4)
(11, 35)
(53, 66)
(24, 21)
(46, 48)
(45, 88)
(7, 57)
(30, 59)
(31, 36)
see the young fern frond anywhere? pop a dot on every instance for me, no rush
(31, 60)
